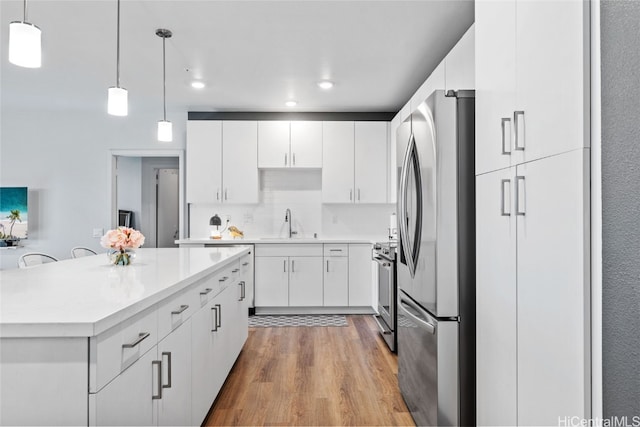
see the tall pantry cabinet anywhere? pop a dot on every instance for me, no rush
(532, 191)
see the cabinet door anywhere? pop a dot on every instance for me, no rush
(204, 163)
(247, 276)
(272, 281)
(273, 144)
(205, 341)
(305, 281)
(336, 281)
(306, 144)
(370, 162)
(174, 409)
(496, 357)
(552, 74)
(361, 282)
(495, 33)
(553, 289)
(459, 63)
(240, 162)
(337, 162)
(126, 401)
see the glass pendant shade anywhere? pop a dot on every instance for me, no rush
(165, 131)
(118, 104)
(25, 46)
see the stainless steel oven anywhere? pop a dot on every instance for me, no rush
(384, 254)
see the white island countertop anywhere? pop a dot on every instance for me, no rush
(85, 296)
(276, 240)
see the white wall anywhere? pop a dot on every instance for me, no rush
(300, 191)
(129, 192)
(64, 160)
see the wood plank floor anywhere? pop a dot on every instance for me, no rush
(313, 376)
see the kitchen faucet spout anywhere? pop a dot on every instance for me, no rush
(289, 219)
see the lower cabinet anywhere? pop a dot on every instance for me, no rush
(305, 281)
(361, 288)
(336, 275)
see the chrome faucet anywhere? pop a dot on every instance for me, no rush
(289, 219)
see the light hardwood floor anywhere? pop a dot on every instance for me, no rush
(313, 376)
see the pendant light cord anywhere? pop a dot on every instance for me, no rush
(24, 10)
(117, 47)
(164, 81)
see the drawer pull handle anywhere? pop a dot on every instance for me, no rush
(244, 292)
(159, 365)
(335, 250)
(141, 337)
(168, 354)
(180, 310)
(206, 291)
(215, 319)
(219, 316)
(235, 270)
(241, 284)
(244, 264)
(224, 279)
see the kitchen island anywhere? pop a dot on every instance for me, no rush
(83, 342)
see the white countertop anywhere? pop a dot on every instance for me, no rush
(272, 240)
(85, 296)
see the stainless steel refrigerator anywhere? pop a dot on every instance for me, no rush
(436, 260)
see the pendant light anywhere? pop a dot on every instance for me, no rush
(118, 104)
(165, 131)
(25, 47)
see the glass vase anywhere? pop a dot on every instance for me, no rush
(121, 256)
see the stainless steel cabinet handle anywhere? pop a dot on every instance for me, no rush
(293, 266)
(215, 318)
(285, 159)
(517, 130)
(244, 264)
(206, 291)
(168, 354)
(225, 194)
(503, 204)
(423, 323)
(358, 194)
(141, 337)
(244, 290)
(518, 197)
(219, 315)
(327, 266)
(224, 279)
(350, 195)
(284, 266)
(294, 159)
(241, 291)
(235, 270)
(335, 250)
(218, 194)
(506, 148)
(180, 310)
(159, 365)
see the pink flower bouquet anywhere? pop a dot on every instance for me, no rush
(121, 241)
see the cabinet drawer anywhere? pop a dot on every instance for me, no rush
(177, 309)
(206, 289)
(118, 348)
(336, 249)
(289, 249)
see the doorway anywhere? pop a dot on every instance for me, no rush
(150, 185)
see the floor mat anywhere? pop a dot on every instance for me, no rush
(297, 320)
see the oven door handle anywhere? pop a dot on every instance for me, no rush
(404, 304)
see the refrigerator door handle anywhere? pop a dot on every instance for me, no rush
(425, 324)
(411, 252)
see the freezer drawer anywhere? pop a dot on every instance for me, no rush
(428, 365)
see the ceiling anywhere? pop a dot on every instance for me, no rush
(252, 55)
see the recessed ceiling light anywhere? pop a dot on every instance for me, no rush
(325, 84)
(291, 103)
(197, 85)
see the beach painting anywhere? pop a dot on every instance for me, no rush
(13, 213)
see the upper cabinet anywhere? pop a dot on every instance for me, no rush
(354, 162)
(532, 80)
(283, 144)
(222, 161)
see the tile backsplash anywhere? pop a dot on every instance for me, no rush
(300, 191)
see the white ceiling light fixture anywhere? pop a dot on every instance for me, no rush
(25, 43)
(165, 129)
(196, 84)
(118, 97)
(325, 84)
(291, 103)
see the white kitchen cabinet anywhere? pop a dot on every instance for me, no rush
(222, 161)
(305, 281)
(204, 161)
(247, 276)
(337, 162)
(361, 288)
(272, 281)
(531, 80)
(239, 162)
(174, 408)
(284, 144)
(459, 63)
(496, 314)
(354, 162)
(128, 399)
(533, 310)
(336, 281)
(553, 288)
(306, 144)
